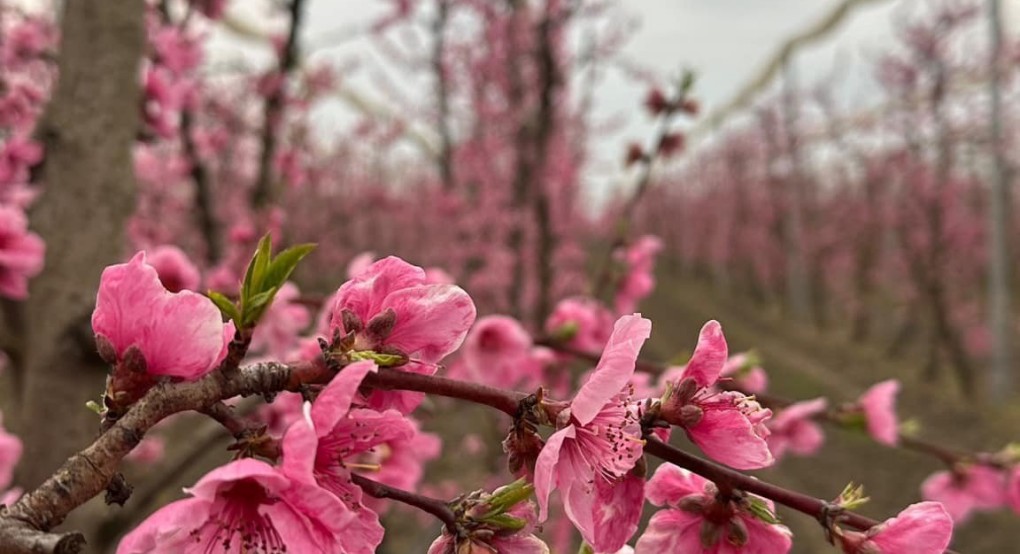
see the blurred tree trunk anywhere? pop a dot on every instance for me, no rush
(89, 193)
(1000, 380)
(798, 278)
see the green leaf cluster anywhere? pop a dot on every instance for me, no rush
(262, 280)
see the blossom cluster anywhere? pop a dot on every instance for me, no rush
(303, 488)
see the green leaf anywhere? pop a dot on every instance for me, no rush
(760, 510)
(585, 549)
(852, 497)
(226, 305)
(256, 268)
(283, 265)
(257, 306)
(263, 256)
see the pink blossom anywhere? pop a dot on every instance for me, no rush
(317, 450)
(728, 426)
(965, 489)
(277, 331)
(21, 253)
(879, 406)
(174, 50)
(175, 269)
(17, 156)
(586, 321)
(922, 528)
(639, 280)
(685, 525)
(746, 375)
(498, 351)
(589, 459)
(245, 506)
(794, 429)
(179, 334)
(391, 309)
(163, 99)
(359, 263)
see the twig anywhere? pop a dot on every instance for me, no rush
(433, 506)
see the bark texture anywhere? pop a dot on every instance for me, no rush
(89, 193)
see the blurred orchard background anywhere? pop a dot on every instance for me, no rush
(836, 190)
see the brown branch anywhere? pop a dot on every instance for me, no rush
(225, 416)
(433, 506)
(445, 156)
(262, 195)
(88, 472)
(394, 379)
(725, 477)
(205, 213)
(604, 277)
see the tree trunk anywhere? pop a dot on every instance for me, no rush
(89, 193)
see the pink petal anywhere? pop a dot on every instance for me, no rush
(432, 320)
(728, 436)
(922, 528)
(614, 369)
(176, 271)
(709, 356)
(764, 538)
(617, 511)
(187, 337)
(126, 292)
(167, 531)
(879, 405)
(335, 400)
(671, 531)
(671, 483)
(245, 468)
(364, 294)
(546, 468)
(300, 444)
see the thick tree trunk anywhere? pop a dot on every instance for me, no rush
(89, 193)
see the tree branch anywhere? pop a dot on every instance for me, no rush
(433, 506)
(262, 195)
(726, 477)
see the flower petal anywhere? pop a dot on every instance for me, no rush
(709, 356)
(546, 468)
(614, 369)
(335, 400)
(432, 320)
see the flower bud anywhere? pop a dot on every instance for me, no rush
(634, 155)
(656, 102)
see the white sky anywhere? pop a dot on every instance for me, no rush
(727, 41)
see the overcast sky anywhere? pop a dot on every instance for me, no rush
(727, 41)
